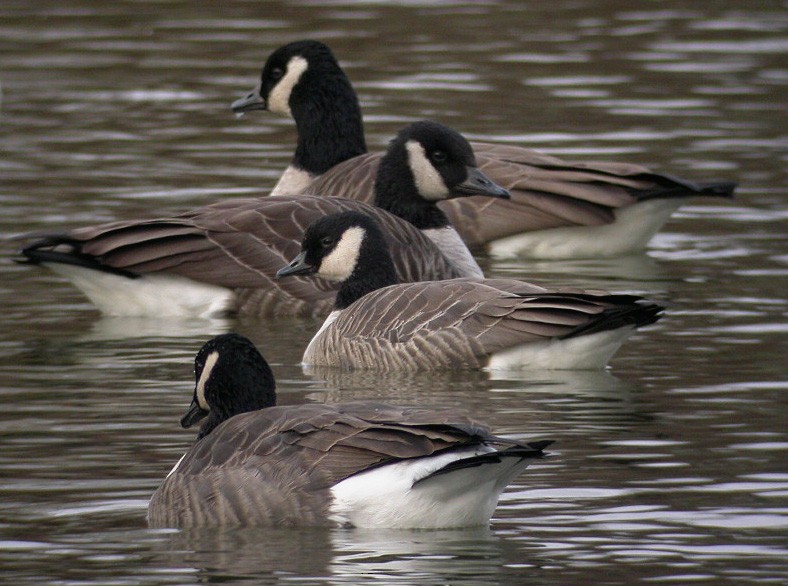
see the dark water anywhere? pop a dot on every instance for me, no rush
(670, 468)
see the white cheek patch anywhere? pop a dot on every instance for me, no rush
(339, 265)
(429, 182)
(279, 97)
(210, 362)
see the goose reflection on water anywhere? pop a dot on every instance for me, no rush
(476, 555)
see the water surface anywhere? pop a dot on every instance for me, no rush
(669, 468)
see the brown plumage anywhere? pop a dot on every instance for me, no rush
(238, 244)
(223, 257)
(258, 464)
(460, 323)
(276, 466)
(547, 193)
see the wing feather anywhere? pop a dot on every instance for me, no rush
(275, 466)
(547, 192)
(240, 244)
(461, 322)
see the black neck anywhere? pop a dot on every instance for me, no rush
(328, 119)
(246, 384)
(395, 192)
(419, 212)
(210, 424)
(374, 270)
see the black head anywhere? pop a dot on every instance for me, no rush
(232, 377)
(333, 245)
(348, 247)
(286, 75)
(304, 80)
(426, 163)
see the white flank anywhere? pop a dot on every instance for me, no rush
(429, 182)
(293, 181)
(210, 362)
(590, 352)
(633, 227)
(154, 295)
(279, 97)
(455, 250)
(340, 263)
(332, 317)
(387, 497)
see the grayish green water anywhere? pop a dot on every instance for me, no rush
(670, 468)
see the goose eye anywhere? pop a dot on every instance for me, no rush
(277, 72)
(438, 156)
(326, 242)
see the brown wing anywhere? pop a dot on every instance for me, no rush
(240, 244)
(275, 466)
(353, 179)
(547, 192)
(460, 323)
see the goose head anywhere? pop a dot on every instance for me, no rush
(437, 162)
(294, 75)
(303, 80)
(232, 377)
(425, 164)
(347, 247)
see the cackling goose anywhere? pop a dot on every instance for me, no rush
(458, 323)
(357, 464)
(559, 209)
(222, 258)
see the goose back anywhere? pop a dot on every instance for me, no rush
(277, 466)
(553, 201)
(238, 245)
(463, 323)
(222, 258)
(546, 192)
(363, 463)
(378, 323)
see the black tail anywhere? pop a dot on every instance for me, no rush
(718, 188)
(668, 187)
(522, 451)
(66, 250)
(633, 311)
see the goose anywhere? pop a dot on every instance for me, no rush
(360, 464)
(222, 258)
(559, 209)
(378, 323)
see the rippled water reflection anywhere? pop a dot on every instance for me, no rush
(668, 469)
